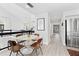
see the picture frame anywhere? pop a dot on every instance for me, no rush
(1, 26)
(56, 28)
(41, 24)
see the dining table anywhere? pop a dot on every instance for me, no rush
(26, 40)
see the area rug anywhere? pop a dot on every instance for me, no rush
(73, 52)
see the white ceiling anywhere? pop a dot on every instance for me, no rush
(14, 12)
(50, 7)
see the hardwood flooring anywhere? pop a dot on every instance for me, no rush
(55, 48)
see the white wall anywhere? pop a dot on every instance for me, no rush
(44, 33)
(62, 31)
(71, 13)
(15, 17)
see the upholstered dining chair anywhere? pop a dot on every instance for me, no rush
(40, 41)
(36, 46)
(15, 47)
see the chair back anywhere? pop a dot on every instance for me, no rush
(11, 43)
(39, 40)
(34, 44)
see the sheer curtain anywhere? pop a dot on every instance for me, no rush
(73, 32)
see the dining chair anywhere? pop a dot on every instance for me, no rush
(36, 46)
(40, 41)
(15, 47)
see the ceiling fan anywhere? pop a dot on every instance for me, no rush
(30, 5)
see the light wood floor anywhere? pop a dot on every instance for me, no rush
(55, 48)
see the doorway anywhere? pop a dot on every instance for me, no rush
(55, 28)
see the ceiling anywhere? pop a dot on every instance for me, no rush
(49, 7)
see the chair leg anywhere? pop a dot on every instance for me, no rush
(21, 53)
(16, 53)
(36, 52)
(10, 53)
(41, 50)
(32, 52)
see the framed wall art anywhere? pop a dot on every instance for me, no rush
(41, 24)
